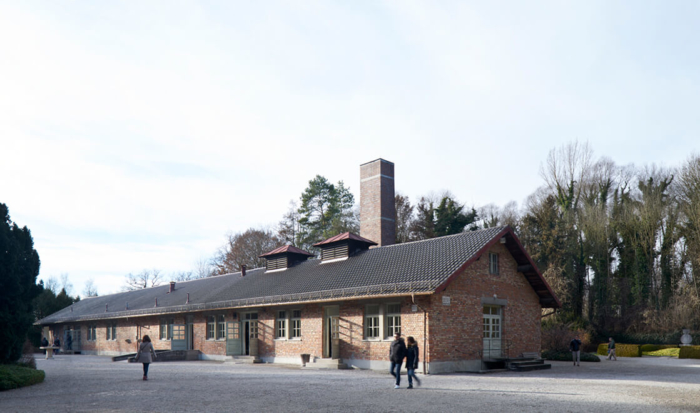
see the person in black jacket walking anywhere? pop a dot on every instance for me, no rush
(575, 348)
(412, 361)
(397, 352)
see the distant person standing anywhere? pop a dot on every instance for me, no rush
(575, 348)
(57, 344)
(412, 361)
(611, 349)
(397, 352)
(69, 342)
(144, 355)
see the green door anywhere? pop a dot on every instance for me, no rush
(233, 339)
(178, 341)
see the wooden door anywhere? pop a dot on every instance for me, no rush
(178, 342)
(234, 344)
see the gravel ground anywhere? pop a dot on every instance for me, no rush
(96, 384)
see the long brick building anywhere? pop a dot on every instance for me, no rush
(466, 298)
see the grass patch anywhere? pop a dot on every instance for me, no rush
(13, 376)
(664, 352)
(566, 356)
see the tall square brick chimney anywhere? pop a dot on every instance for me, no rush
(377, 208)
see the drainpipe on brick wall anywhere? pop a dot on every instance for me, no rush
(425, 335)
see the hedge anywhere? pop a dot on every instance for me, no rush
(653, 347)
(621, 350)
(689, 352)
(566, 356)
(13, 376)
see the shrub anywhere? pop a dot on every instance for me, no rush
(13, 376)
(621, 350)
(646, 348)
(558, 336)
(566, 356)
(689, 352)
(664, 352)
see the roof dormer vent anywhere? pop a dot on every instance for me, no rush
(343, 246)
(284, 257)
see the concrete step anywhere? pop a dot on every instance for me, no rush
(244, 360)
(330, 364)
(533, 367)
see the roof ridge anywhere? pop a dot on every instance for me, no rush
(501, 228)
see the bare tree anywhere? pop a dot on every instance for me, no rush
(203, 268)
(144, 279)
(66, 284)
(289, 228)
(404, 218)
(182, 276)
(244, 248)
(90, 290)
(52, 285)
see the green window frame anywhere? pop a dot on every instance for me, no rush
(281, 325)
(493, 263)
(296, 324)
(112, 331)
(211, 327)
(220, 327)
(166, 328)
(372, 321)
(393, 319)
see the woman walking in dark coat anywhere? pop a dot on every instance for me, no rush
(144, 355)
(412, 361)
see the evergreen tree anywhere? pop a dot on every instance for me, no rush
(19, 267)
(325, 210)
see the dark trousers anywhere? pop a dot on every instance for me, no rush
(411, 376)
(145, 369)
(396, 371)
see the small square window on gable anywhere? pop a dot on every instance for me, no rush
(493, 263)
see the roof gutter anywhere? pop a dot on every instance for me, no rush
(180, 309)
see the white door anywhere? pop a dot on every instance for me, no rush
(492, 332)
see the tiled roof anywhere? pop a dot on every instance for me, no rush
(286, 249)
(346, 236)
(420, 267)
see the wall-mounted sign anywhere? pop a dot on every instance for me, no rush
(445, 300)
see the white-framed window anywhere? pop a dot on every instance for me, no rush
(166, 328)
(372, 321)
(211, 327)
(92, 333)
(220, 327)
(493, 263)
(393, 319)
(296, 323)
(281, 325)
(112, 331)
(492, 322)
(252, 318)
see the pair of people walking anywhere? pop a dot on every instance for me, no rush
(145, 355)
(397, 353)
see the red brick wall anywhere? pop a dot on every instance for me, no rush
(456, 331)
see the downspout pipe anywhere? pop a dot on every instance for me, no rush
(425, 333)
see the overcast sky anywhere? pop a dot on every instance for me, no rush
(137, 134)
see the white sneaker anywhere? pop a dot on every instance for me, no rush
(397, 386)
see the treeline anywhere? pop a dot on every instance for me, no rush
(620, 245)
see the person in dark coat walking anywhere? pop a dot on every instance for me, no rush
(397, 352)
(575, 348)
(412, 361)
(144, 355)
